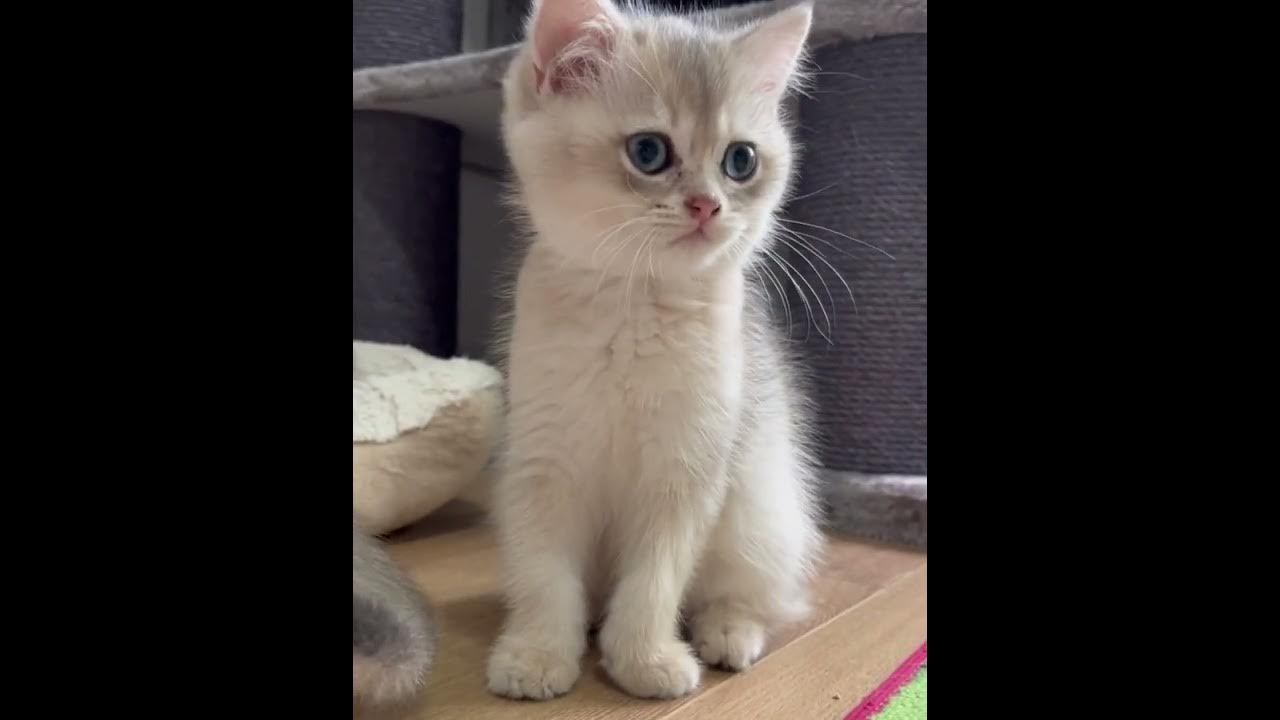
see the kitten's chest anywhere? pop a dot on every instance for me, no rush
(649, 348)
(654, 357)
(635, 360)
(600, 349)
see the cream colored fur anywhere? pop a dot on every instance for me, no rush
(655, 463)
(423, 429)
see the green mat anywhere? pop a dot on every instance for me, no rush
(911, 702)
(903, 696)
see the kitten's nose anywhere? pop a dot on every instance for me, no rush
(702, 207)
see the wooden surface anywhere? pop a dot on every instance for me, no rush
(871, 612)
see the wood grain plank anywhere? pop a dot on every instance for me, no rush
(848, 640)
(827, 671)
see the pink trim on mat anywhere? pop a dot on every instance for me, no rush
(881, 696)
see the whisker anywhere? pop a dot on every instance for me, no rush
(611, 233)
(834, 271)
(828, 243)
(844, 74)
(760, 283)
(614, 256)
(786, 304)
(801, 91)
(816, 299)
(651, 274)
(809, 195)
(631, 273)
(787, 268)
(816, 272)
(605, 209)
(808, 311)
(837, 232)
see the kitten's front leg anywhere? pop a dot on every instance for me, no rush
(754, 572)
(665, 527)
(543, 532)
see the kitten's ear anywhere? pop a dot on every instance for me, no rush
(773, 48)
(572, 39)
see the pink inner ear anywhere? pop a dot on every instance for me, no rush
(549, 39)
(561, 23)
(773, 48)
(567, 72)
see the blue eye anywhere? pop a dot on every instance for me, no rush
(649, 152)
(739, 161)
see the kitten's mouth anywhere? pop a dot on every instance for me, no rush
(697, 235)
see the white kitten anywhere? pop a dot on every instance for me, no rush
(655, 463)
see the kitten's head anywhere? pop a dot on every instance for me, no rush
(646, 133)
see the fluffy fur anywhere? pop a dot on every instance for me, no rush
(655, 465)
(393, 634)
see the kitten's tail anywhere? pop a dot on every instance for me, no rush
(393, 634)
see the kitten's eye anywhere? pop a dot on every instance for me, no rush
(739, 161)
(649, 152)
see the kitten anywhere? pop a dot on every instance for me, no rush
(393, 635)
(655, 464)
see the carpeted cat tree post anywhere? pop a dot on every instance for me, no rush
(865, 175)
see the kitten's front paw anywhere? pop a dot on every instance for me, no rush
(519, 670)
(670, 672)
(727, 639)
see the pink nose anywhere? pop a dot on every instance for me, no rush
(701, 207)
